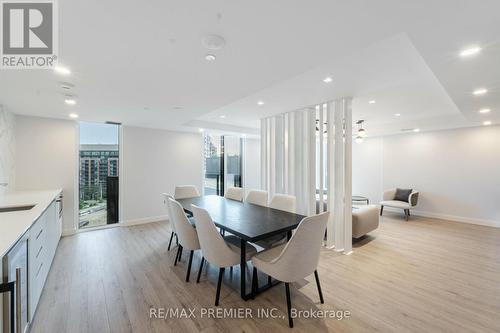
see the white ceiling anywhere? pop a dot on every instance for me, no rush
(138, 62)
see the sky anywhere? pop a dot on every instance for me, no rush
(97, 133)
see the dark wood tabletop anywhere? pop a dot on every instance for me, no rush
(247, 221)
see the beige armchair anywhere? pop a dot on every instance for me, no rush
(364, 220)
(389, 201)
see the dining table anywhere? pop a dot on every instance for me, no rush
(249, 222)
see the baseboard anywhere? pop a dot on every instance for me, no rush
(144, 220)
(68, 232)
(447, 217)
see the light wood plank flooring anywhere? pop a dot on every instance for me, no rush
(418, 276)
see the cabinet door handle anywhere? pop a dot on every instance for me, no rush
(18, 300)
(41, 230)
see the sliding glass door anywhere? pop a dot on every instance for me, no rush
(222, 163)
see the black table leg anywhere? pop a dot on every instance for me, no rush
(243, 246)
(288, 235)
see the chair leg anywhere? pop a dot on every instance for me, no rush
(189, 265)
(289, 304)
(381, 210)
(319, 287)
(217, 294)
(269, 280)
(180, 254)
(255, 283)
(406, 214)
(201, 268)
(176, 240)
(177, 255)
(170, 242)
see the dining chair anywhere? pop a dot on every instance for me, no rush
(186, 233)
(186, 191)
(234, 193)
(294, 260)
(217, 250)
(284, 202)
(257, 197)
(166, 197)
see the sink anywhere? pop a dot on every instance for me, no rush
(16, 208)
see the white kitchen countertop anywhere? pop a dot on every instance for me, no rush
(14, 224)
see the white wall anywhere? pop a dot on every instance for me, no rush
(251, 170)
(46, 158)
(7, 150)
(155, 161)
(456, 171)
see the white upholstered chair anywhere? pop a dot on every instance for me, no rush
(284, 202)
(186, 191)
(257, 197)
(234, 193)
(217, 250)
(167, 196)
(296, 259)
(389, 201)
(186, 232)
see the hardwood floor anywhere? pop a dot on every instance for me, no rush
(418, 276)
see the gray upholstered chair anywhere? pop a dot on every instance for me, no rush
(217, 250)
(257, 197)
(186, 191)
(389, 201)
(234, 193)
(284, 202)
(364, 219)
(186, 232)
(167, 196)
(296, 259)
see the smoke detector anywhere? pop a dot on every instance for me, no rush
(213, 42)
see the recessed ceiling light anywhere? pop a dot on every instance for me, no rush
(397, 115)
(73, 115)
(480, 91)
(484, 111)
(62, 70)
(327, 79)
(372, 101)
(200, 129)
(470, 51)
(260, 103)
(70, 101)
(210, 57)
(222, 116)
(416, 130)
(487, 123)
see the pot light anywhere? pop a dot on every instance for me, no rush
(480, 91)
(487, 123)
(327, 79)
(70, 101)
(483, 111)
(470, 51)
(260, 103)
(222, 116)
(397, 115)
(210, 57)
(416, 130)
(372, 101)
(200, 130)
(358, 139)
(73, 115)
(62, 70)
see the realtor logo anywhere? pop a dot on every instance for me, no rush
(29, 34)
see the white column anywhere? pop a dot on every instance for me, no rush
(330, 238)
(311, 166)
(347, 106)
(320, 167)
(338, 210)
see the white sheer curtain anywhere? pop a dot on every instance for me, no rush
(299, 156)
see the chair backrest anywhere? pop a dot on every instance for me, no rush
(214, 248)
(186, 191)
(234, 193)
(284, 202)
(167, 196)
(257, 197)
(186, 233)
(300, 256)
